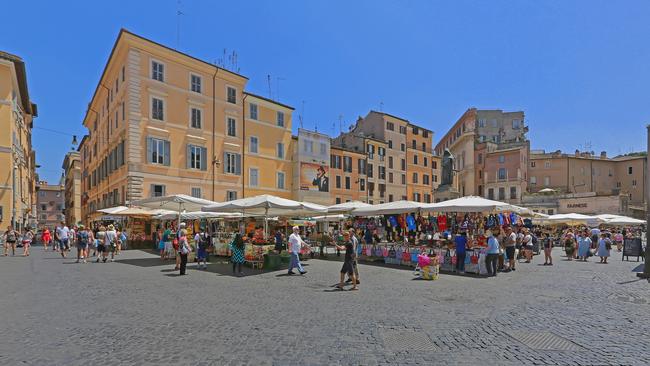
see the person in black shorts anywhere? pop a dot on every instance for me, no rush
(348, 263)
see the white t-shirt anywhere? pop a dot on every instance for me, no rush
(528, 240)
(111, 235)
(295, 243)
(62, 232)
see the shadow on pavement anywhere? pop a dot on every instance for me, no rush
(145, 262)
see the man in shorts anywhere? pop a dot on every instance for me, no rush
(63, 234)
(348, 263)
(82, 243)
(510, 241)
(355, 260)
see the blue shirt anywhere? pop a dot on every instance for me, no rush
(493, 245)
(461, 242)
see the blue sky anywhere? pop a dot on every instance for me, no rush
(579, 69)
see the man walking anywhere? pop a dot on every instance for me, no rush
(63, 235)
(355, 260)
(510, 243)
(295, 244)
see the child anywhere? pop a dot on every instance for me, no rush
(202, 242)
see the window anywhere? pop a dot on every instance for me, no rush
(382, 172)
(390, 177)
(390, 198)
(252, 111)
(196, 192)
(362, 166)
(435, 178)
(426, 161)
(633, 182)
(402, 130)
(502, 173)
(415, 130)
(370, 172)
(232, 163)
(43, 207)
(123, 74)
(232, 95)
(390, 162)
(280, 180)
(629, 170)
(308, 146)
(516, 124)
(231, 195)
(533, 180)
(414, 144)
(415, 177)
(390, 126)
(547, 165)
(335, 161)
(403, 147)
(390, 144)
(195, 118)
(197, 157)
(123, 112)
(347, 164)
(158, 151)
(502, 159)
(416, 197)
(547, 181)
(157, 109)
(157, 71)
(347, 182)
(513, 193)
(502, 193)
(195, 83)
(338, 200)
(403, 165)
(231, 127)
(532, 164)
(279, 150)
(280, 119)
(480, 158)
(415, 159)
(157, 190)
(481, 122)
(338, 181)
(362, 184)
(323, 148)
(491, 193)
(434, 164)
(254, 145)
(253, 177)
(403, 178)
(425, 179)
(424, 146)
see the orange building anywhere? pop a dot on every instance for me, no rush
(419, 164)
(348, 180)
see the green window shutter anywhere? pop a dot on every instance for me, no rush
(204, 158)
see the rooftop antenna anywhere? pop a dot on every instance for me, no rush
(340, 124)
(381, 106)
(179, 13)
(268, 80)
(302, 113)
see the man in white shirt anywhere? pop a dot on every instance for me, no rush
(63, 234)
(295, 243)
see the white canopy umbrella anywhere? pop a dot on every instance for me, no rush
(471, 204)
(177, 203)
(347, 207)
(198, 215)
(388, 208)
(329, 218)
(624, 221)
(570, 219)
(267, 205)
(547, 190)
(137, 211)
(112, 210)
(609, 216)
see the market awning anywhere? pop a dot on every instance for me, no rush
(267, 205)
(472, 204)
(195, 215)
(389, 208)
(347, 207)
(112, 210)
(570, 219)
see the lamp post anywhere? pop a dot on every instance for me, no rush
(646, 266)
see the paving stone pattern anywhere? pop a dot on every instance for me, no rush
(137, 311)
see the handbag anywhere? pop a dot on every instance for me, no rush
(406, 255)
(384, 252)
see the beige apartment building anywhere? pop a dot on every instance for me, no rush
(72, 193)
(50, 204)
(491, 154)
(584, 173)
(17, 157)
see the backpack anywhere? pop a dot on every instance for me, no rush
(534, 240)
(122, 237)
(204, 241)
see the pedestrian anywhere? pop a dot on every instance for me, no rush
(176, 244)
(355, 257)
(295, 244)
(569, 244)
(237, 254)
(10, 238)
(492, 257)
(28, 237)
(348, 262)
(604, 247)
(202, 243)
(527, 245)
(618, 239)
(63, 236)
(82, 243)
(584, 245)
(72, 238)
(91, 241)
(279, 238)
(102, 251)
(46, 237)
(167, 239)
(461, 246)
(510, 243)
(118, 244)
(111, 242)
(184, 250)
(548, 250)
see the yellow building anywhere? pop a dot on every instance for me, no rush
(267, 154)
(17, 158)
(72, 168)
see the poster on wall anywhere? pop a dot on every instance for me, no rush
(313, 177)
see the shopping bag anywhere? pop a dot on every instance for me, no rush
(368, 250)
(423, 260)
(406, 256)
(384, 252)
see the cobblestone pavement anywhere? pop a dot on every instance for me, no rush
(137, 311)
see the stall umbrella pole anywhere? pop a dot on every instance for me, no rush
(266, 221)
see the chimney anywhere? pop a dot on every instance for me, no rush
(603, 155)
(577, 153)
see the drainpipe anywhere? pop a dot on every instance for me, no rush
(243, 146)
(13, 187)
(214, 113)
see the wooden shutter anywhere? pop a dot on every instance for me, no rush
(149, 150)
(238, 164)
(189, 156)
(167, 152)
(204, 158)
(225, 162)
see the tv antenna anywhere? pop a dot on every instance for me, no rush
(179, 13)
(268, 80)
(340, 124)
(381, 106)
(302, 113)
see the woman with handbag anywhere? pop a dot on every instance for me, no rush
(237, 257)
(184, 250)
(604, 247)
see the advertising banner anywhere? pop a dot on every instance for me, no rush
(314, 177)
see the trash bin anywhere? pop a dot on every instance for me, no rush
(272, 261)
